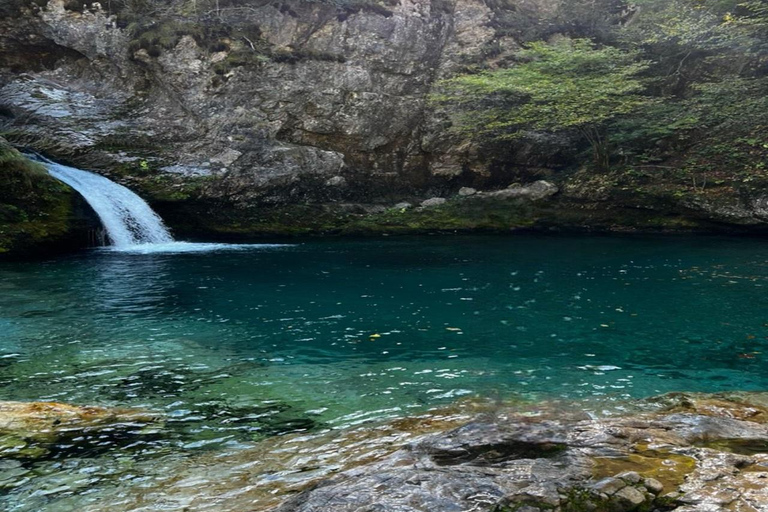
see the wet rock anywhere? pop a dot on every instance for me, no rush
(373, 209)
(548, 458)
(520, 463)
(47, 422)
(630, 498)
(609, 486)
(534, 192)
(227, 157)
(742, 406)
(630, 477)
(467, 191)
(403, 206)
(653, 485)
(336, 181)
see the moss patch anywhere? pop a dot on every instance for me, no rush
(209, 217)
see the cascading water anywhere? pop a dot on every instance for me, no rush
(130, 223)
(127, 218)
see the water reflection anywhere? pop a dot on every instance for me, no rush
(129, 285)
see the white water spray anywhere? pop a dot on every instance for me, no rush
(127, 218)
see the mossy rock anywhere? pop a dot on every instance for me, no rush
(667, 467)
(38, 214)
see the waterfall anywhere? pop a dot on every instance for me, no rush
(127, 218)
(131, 225)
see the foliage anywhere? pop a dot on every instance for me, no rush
(663, 77)
(728, 107)
(710, 81)
(562, 85)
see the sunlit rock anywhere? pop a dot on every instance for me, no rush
(25, 423)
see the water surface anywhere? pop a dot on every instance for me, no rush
(238, 346)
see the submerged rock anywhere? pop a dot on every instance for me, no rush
(546, 457)
(28, 428)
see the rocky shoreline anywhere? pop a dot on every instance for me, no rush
(682, 452)
(696, 453)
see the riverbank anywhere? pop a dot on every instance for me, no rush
(258, 120)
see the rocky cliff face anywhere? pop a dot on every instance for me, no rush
(294, 116)
(287, 90)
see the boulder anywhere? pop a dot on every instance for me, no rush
(536, 191)
(434, 201)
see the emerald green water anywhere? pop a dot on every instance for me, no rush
(238, 346)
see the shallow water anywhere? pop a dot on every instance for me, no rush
(237, 346)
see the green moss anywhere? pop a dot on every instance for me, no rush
(35, 209)
(142, 176)
(198, 216)
(194, 215)
(455, 215)
(16, 447)
(671, 469)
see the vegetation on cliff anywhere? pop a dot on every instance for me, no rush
(665, 97)
(566, 84)
(677, 84)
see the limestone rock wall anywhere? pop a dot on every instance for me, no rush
(292, 89)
